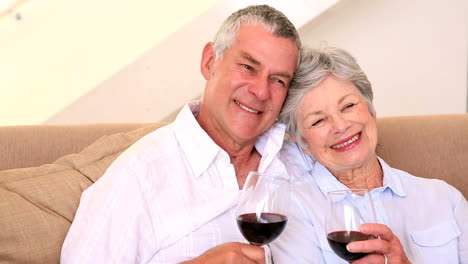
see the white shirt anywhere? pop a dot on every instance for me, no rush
(429, 216)
(168, 198)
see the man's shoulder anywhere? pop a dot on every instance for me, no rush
(292, 155)
(159, 136)
(157, 153)
(151, 146)
(295, 160)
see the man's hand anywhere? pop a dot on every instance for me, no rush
(231, 253)
(388, 245)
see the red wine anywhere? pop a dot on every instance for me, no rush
(261, 231)
(340, 239)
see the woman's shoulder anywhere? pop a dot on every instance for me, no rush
(421, 185)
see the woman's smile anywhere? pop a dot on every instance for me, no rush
(348, 143)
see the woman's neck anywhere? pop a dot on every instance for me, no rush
(369, 176)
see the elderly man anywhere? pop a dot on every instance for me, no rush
(171, 197)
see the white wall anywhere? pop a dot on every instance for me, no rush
(61, 49)
(83, 62)
(413, 51)
(157, 84)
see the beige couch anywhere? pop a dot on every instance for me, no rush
(37, 204)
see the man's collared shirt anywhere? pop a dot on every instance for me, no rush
(168, 198)
(429, 216)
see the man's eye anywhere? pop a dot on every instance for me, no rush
(247, 67)
(281, 82)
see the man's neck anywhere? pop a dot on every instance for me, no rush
(244, 164)
(244, 157)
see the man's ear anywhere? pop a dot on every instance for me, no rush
(207, 61)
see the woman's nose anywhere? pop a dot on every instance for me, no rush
(340, 123)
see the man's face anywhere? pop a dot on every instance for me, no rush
(247, 86)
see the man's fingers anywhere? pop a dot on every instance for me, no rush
(231, 253)
(254, 253)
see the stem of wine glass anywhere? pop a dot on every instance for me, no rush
(271, 254)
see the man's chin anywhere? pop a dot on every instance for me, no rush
(248, 133)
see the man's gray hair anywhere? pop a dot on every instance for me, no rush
(315, 65)
(271, 19)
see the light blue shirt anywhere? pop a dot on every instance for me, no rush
(429, 216)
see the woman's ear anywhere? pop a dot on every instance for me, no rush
(306, 150)
(207, 61)
(293, 138)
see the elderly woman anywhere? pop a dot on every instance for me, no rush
(332, 122)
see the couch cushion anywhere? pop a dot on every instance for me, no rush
(37, 205)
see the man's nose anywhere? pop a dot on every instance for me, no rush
(260, 88)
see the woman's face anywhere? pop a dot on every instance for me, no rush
(336, 124)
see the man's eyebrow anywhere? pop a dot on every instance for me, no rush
(283, 74)
(252, 60)
(248, 57)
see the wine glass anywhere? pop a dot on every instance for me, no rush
(262, 208)
(347, 211)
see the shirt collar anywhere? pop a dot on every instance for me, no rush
(197, 146)
(269, 144)
(327, 182)
(201, 150)
(391, 179)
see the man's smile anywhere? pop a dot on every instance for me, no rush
(246, 108)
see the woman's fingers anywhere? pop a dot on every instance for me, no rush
(370, 246)
(386, 244)
(372, 259)
(378, 230)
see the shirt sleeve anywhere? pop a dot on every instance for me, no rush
(112, 224)
(461, 217)
(299, 242)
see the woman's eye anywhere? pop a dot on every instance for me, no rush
(348, 106)
(316, 123)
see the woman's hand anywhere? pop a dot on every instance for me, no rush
(388, 245)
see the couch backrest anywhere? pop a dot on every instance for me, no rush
(430, 146)
(433, 146)
(30, 146)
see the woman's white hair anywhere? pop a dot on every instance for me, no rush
(315, 65)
